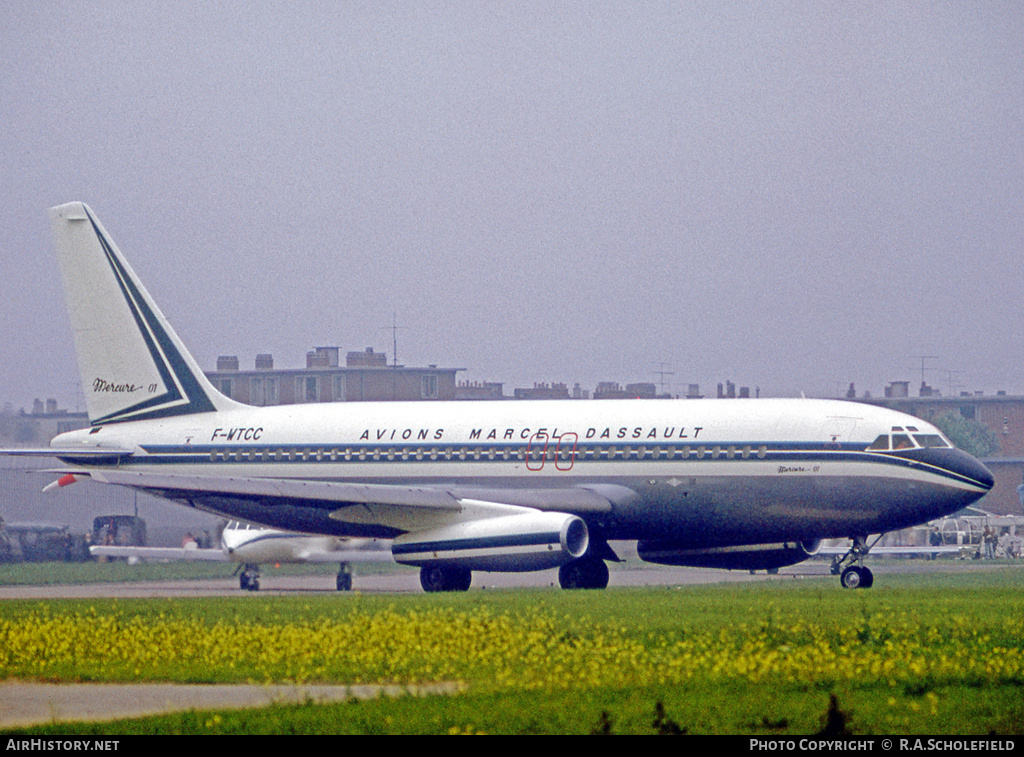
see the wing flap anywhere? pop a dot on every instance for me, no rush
(327, 493)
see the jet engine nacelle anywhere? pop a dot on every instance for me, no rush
(745, 557)
(508, 543)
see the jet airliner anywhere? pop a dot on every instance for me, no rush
(492, 486)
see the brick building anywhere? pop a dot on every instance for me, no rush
(365, 377)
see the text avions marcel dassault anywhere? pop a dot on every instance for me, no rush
(885, 745)
(524, 434)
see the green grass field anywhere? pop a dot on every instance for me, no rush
(923, 653)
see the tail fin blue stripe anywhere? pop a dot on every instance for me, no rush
(185, 394)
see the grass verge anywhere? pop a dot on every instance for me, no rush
(940, 654)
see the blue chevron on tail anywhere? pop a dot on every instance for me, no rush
(133, 365)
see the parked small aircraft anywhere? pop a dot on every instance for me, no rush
(252, 546)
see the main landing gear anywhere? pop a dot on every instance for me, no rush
(855, 575)
(344, 582)
(586, 573)
(445, 578)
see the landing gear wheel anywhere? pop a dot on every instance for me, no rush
(867, 578)
(850, 578)
(585, 573)
(249, 579)
(344, 582)
(445, 578)
(856, 577)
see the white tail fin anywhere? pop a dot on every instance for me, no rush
(133, 365)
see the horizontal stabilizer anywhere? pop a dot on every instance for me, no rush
(160, 553)
(68, 453)
(184, 554)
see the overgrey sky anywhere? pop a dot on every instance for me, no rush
(790, 195)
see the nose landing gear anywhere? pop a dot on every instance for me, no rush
(855, 575)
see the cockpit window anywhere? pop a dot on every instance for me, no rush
(902, 441)
(908, 441)
(881, 443)
(930, 440)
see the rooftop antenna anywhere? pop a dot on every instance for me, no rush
(922, 358)
(661, 374)
(952, 386)
(394, 351)
(394, 338)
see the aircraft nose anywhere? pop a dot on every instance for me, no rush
(970, 467)
(960, 464)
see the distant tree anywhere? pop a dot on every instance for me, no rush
(968, 434)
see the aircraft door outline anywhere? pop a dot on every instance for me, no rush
(560, 464)
(534, 458)
(564, 457)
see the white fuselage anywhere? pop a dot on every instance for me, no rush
(744, 467)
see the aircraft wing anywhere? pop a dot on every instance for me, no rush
(399, 507)
(160, 553)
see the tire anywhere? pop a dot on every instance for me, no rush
(432, 578)
(585, 573)
(867, 578)
(851, 578)
(445, 578)
(459, 579)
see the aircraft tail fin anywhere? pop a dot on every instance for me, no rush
(133, 365)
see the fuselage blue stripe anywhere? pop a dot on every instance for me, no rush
(584, 456)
